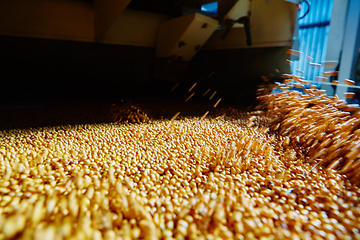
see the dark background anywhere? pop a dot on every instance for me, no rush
(40, 70)
(47, 74)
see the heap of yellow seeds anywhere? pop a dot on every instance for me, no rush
(325, 128)
(210, 178)
(128, 113)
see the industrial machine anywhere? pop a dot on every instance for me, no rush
(65, 50)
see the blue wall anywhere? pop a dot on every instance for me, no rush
(313, 36)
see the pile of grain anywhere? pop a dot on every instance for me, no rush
(182, 179)
(128, 113)
(324, 128)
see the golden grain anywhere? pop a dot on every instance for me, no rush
(212, 95)
(175, 116)
(293, 52)
(190, 97)
(203, 116)
(194, 178)
(217, 103)
(349, 95)
(206, 92)
(175, 86)
(192, 87)
(348, 82)
(331, 74)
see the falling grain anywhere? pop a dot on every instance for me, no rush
(349, 95)
(192, 87)
(189, 97)
(212, 95)
(331, 74)
(315, 65)
(175, 116)
(203, 116)
(293, 52)
(321, 79)
(218, 101)
(206, 92)
(212, 73)
(330, 63)
(349, 82)
(174, 87)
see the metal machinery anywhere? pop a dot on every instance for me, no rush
(69, 49)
